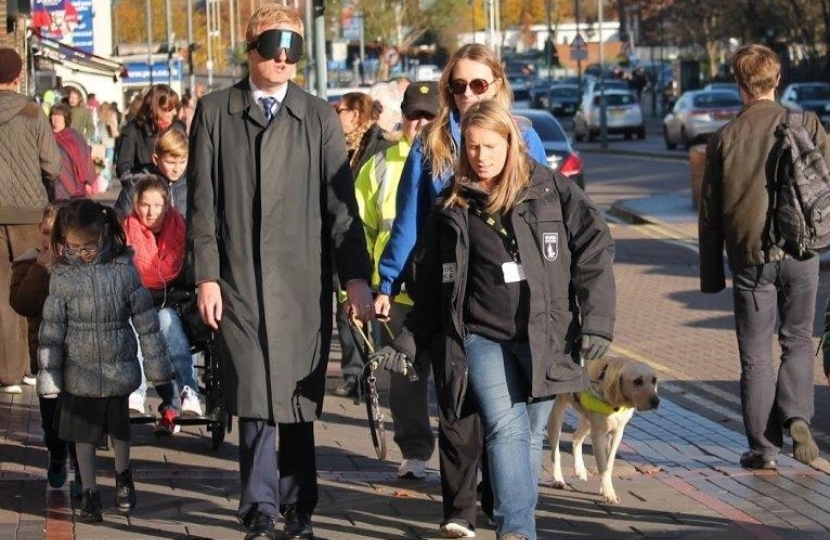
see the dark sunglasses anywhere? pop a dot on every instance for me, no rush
(417, 115)
(269, 44)
(478, 86)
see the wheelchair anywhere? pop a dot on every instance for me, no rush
(201, 338)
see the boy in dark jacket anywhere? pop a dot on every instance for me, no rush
(169, 162)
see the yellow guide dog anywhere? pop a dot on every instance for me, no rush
(618, 387)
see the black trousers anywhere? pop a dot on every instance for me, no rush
(277, 466)
(780, 298)
(460, 450)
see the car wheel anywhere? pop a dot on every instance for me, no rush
(578, 134)
(641, 132)
(669, 144)
(592, 135)
(627, 135)
(684, 139)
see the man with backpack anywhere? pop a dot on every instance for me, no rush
(774, 286)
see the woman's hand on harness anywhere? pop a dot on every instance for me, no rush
(209, 303)
(359, 300)
(383, 305)
(593, 346)
(394, 361)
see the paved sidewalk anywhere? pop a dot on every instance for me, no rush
(677, 477)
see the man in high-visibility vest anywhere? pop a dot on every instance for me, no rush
(376, 188)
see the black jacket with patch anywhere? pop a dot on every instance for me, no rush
(566, 251)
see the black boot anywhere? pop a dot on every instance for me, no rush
(91, 507)
(124, 491)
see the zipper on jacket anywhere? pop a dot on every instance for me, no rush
(98, 335)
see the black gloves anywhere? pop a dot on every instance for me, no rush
(593, 346)
(397, 362)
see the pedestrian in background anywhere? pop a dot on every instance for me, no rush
(473, 74)
(358, 115)
(29, 289)
(271, 204)
(157, 114)
(77, 169)
(534, 297)
(773, 293)
(87, 356)
(376, 186)
(29, 165)
(82, 121)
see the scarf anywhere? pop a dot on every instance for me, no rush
(77, 168)
(158, 258)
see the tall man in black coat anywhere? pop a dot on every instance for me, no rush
(271, 199)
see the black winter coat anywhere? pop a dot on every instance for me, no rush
(566, 251)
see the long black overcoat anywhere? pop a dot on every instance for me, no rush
(268, 203)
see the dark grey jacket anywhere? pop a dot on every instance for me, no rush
(734, 200)
(29, 159)
(268, 204)
(87, 346)
(566, 251)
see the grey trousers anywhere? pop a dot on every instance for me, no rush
(408, 400)
(767, 297)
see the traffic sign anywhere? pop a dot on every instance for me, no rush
(579, 49)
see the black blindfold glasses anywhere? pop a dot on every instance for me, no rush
(478, 86)
(270, 42)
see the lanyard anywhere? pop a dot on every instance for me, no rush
(509, 239)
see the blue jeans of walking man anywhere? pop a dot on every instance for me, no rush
(499, 380)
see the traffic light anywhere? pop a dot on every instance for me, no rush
(319, 7)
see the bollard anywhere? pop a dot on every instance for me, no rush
(697, 162)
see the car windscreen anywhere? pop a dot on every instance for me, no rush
(521, 94)
(616, 100)
(547, 129)
(807, 93)
(566, 92)
(716, 99)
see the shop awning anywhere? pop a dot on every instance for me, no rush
(74, 58)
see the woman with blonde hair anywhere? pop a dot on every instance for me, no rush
(514, 290)
(358, 114)
(473, 75)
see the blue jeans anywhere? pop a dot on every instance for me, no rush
(500, 379)
(179, 349)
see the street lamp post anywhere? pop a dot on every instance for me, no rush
(603, 113)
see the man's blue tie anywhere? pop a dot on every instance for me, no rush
(268, 106)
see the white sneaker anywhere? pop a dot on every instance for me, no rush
(137, 403)
(457, 528)
(29, 380)
(11, 389)
(190, 402)
(413, 468)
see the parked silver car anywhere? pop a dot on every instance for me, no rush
(809, 96)
(623, 115)
(698, 114)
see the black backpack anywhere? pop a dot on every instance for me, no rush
(799, 191)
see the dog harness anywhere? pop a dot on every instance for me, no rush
(590, 401)
(593, 403)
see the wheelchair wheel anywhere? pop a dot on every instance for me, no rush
(219, 428)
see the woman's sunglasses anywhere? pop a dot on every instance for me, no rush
(478, 86)
(418, 115)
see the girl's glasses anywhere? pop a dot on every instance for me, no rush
(478, 86)
(89, 250)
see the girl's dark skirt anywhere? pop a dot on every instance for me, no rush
(90, 420)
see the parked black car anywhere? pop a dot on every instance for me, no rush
(809, 96)
(561, 155)
(559, 99)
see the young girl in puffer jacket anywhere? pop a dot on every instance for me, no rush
(87, 353)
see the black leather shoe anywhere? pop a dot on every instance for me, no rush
(347, 389)
(260, 525)
(751, 460)
(298, 524)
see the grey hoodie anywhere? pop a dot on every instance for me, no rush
(29, 159)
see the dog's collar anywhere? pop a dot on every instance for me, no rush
(593, 403)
